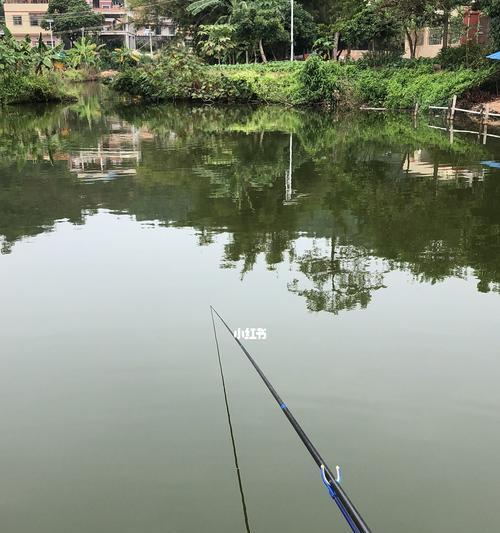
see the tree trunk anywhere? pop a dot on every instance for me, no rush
(446, 28)
(412, 43)
(336, 40)
(262, 53)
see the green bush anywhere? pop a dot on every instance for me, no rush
(320, 81)
(24, 88)
(181, 75)
(469, 55)
(381, 59)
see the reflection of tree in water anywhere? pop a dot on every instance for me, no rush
(221, 170)
(342, 280)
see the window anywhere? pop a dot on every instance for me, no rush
(17, 20)
(435, 36)
(35, 19)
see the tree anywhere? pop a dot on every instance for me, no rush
(413, 15)
(45, 56)
(15, 55)
(266, 23)
(371, 24)
(225, 8)
(147, 13)
(127, 57)
(445, 9)
(84, 53)
(218, 40)
(70, 17)
(331, 16)
(492, 9)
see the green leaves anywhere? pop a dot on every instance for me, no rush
(85, 53)
(72, 16)
(197, 7)
(218, 40)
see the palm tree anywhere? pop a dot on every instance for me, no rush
(198, 6)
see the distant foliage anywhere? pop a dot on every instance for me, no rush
(217, 40)
(30, 88)
(180, 75)
(381, 58)
(320, 81)
(69, 17)
(84, 54)
(468, 55)
(26, 72)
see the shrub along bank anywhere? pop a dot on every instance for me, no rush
(183, 76)
(27, 73)
(31, 88)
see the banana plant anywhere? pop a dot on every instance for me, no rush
(45, 56)
(228, 6)
(85, 53)
(125, 56)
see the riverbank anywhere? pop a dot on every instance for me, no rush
(31, 88)
(313, 82)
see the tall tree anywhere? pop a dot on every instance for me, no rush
(443, 15)
(266, 24)
(373, 25)
(413, 15)
(223, 8)
(71, 18)
(492, 9)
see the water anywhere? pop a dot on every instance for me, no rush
(367, 246)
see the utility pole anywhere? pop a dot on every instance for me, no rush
(150, 42)
(50, 21)
(83, 33)
(291, 31)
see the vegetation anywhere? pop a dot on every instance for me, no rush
(84, 54)
(178, 74)
(27, 73)
(69, 17)
(235, 50)
(358, 193)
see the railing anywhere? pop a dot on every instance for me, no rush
(484, 113)
(451, 109)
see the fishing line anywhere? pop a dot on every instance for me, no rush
(332, 482)
(231, 432)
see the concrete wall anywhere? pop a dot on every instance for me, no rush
(426, 44)
(24, 10)
(477, 28)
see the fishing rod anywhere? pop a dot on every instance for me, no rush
(231, 431)
(346, 507)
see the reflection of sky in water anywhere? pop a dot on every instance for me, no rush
(365, 247)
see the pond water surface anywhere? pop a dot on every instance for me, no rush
(367, 246)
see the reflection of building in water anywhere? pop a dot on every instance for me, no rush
(117, 154)
(420, 163)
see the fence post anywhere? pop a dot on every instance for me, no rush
(451, 109)
(484, 121)
(486, 113)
